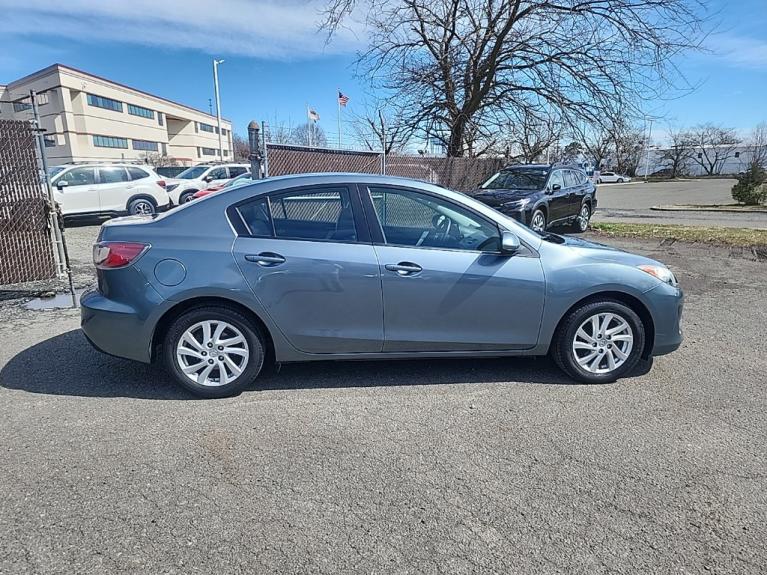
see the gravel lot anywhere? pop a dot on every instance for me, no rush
(631, 203)
(405, 467)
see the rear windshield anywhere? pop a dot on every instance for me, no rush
(518, 179)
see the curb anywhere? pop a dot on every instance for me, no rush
(708, 209)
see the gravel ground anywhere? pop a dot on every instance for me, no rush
(631, 203)
(454, 466)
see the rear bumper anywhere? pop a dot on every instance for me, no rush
(116, 328)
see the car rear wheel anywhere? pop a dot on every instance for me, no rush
(142, 207)
(581, 223)
(213, 351)
(186, 197)
(620, 180)
(538, 221)
(599, 342)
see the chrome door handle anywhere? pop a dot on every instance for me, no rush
(266, 259)
(404, 268)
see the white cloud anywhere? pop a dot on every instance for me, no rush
(739, 50)
(257, 28)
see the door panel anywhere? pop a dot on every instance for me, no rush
(325, 297)
(115, 188)
(559, 201)
(460, 300)
(81, 195)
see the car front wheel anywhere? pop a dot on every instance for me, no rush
(213, 351)
(538, 221)
(599, 342)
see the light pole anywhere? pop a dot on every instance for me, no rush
(647, 152)
(218, 107)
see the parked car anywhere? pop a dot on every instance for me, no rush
(541, 196)
(356, 266)
(612, 178)
(182, 187)
(108, 189)
(240, 180)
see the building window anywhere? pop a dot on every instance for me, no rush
(106, 103)
(110, 142)
(164, 149)
(226, 152)
(195, 130)
(223, 131)
(700, 155)
(145, 145)
(207, 128)
(21, 106)
(208, 151)
(737, 154)
(159, 118)
(140, 111)
(50, 141)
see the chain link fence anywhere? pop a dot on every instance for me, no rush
(26, 245)
(462, 174)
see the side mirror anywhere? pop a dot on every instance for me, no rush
(61, 184)
(556, 187)
(509, 243)
(208, 179)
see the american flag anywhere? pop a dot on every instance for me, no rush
(342, 100)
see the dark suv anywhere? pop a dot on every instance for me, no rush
(541, 196)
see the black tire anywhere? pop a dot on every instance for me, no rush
(562, 347)
(186, 197)
(142, 206)
(620, 180)
(250, 368)
(578, 225)
(538, 213)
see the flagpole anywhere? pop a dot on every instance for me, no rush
(338, 101)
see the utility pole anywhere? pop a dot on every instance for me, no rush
(647, 152)
(254, 144)
(218, 107)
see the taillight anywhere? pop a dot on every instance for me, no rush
(111, 255)
(161, 183)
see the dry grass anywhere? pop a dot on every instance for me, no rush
(743, 237)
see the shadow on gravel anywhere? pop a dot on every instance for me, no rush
(68, 365)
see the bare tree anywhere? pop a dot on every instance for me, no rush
(309, 133)
(714, 146)
(597, 142)
(680, 151)
(629, 144)
(381, 127)
(279, 133)
(157, 160)
(758, 145)
(240, 148)
(453, 63)
(530, 134)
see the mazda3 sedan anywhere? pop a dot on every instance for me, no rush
(354, 266)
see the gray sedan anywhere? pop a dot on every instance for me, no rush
(354, 266)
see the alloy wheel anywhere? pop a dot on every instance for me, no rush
(143, 208)
(583, 217)
(212, 353)
(538, 223)
(603, 343)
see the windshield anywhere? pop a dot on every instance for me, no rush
(52, 172)
(192, 173)
(518, 179)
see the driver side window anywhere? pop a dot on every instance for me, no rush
(414, 219)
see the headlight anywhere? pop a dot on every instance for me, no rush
(516, 203)
(661, 272)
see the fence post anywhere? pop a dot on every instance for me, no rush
(57, 223)
(265, 150)
(255, 150)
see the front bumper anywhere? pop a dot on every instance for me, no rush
(667, 303)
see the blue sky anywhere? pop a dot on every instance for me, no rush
(276, 62)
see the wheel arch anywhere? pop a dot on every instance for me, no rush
(634, 303)
(170, 315)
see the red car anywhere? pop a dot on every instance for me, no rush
(235, 182)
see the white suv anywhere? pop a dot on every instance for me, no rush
(183, 187)
(108, 189)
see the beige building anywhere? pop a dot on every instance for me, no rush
(88, 118)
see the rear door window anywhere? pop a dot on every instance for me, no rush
(235, 171)
(112, 175)
(314, 215)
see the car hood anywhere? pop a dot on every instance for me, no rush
(495, 198)
(601, 252)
